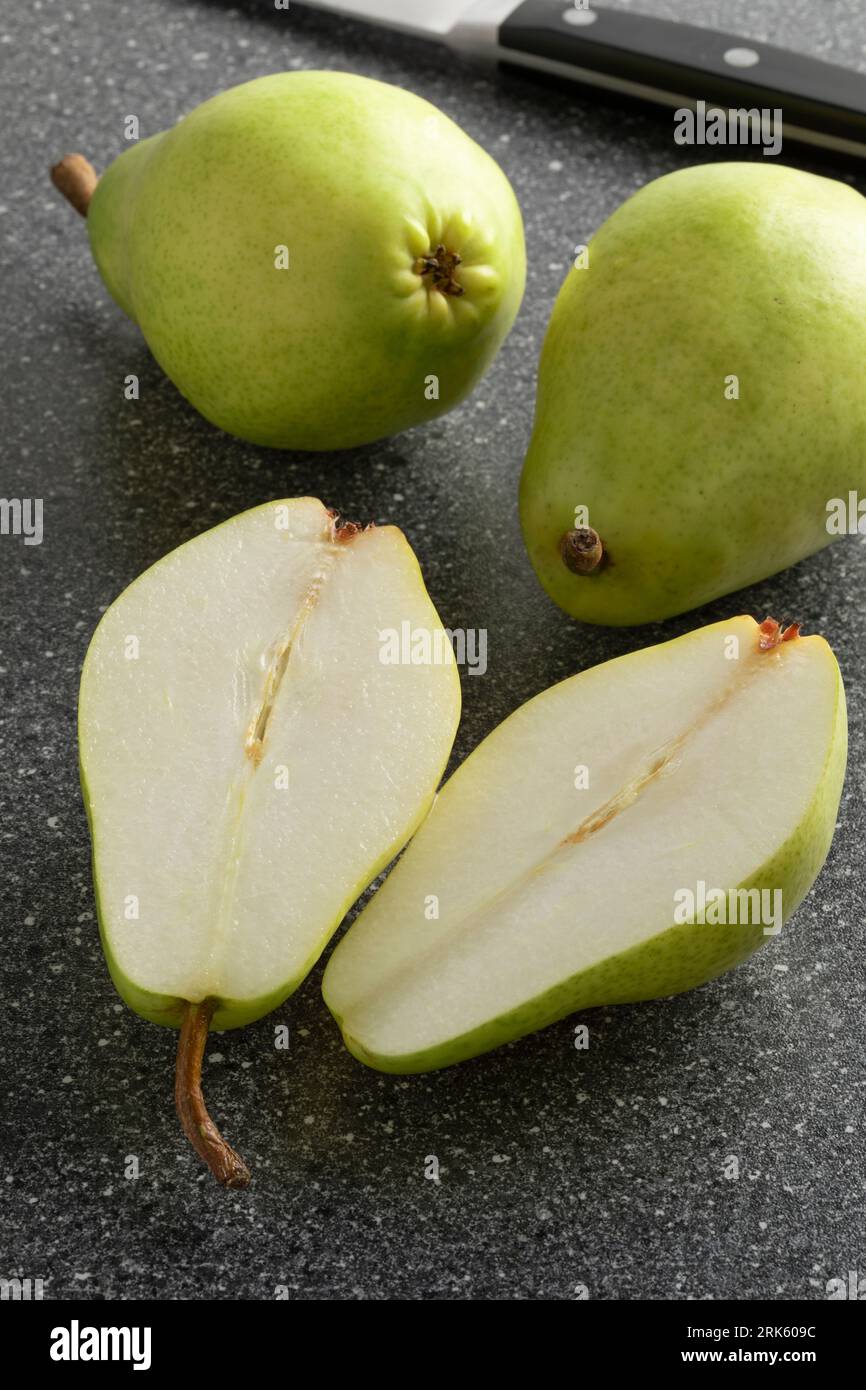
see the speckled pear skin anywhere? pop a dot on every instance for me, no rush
(677, 959)
(748, 270)
(358, 180)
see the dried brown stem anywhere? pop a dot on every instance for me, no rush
(226, 1166)
(76, 179)
(582, 550)
(771, 634)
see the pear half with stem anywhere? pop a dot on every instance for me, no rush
(628, 834)
(250, 763)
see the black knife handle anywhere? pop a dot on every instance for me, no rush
(680, 60)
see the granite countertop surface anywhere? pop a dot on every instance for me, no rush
(559, 1169)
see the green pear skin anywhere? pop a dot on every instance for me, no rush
(748, 271)
(274, 248)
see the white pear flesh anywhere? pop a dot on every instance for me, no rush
(249, 761)
(709, 760)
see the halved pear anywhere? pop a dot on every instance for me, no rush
(555, 870)
(250, 762)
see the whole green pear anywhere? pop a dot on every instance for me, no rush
(701, 393)
(316, 259)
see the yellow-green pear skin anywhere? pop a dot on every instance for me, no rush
(700, 392)
(316, 259)
(561, 867)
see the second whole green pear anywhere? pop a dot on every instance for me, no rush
(701, 412)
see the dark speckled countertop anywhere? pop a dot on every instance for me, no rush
(559, 1168)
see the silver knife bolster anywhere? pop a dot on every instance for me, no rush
(477, 30)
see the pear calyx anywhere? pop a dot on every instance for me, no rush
(441, 265)
(342, 531)
(772, 633)
(227, 1166)
(582, 550)
(76, 179)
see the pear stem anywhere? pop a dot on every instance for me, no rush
(76, 179)
(226, 1166)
